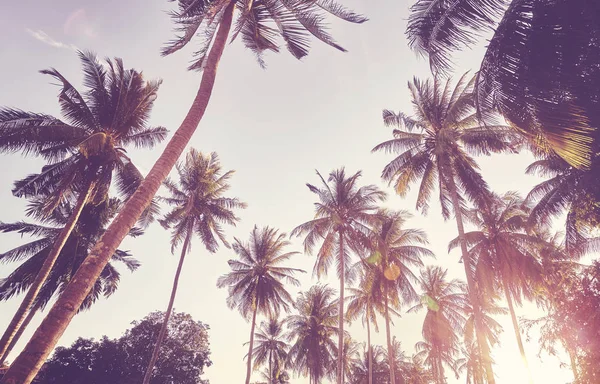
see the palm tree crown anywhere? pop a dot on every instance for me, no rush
(262, 24)
(342, 214)
(271, 348)
(199, 206)
(257, 278)
(93, 221)
(536, 66)
(435, 147)
(311, 332)
(90, 143)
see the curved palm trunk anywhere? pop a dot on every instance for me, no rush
(249, 367)
(389, 337)
(165, 324)
(513, 317)
(44, 272)
(468, 264)
(340, 367)
(369, 353)
(22, 329)
(27, 365)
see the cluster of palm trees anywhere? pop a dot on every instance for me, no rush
(539, 73)
(503, 239)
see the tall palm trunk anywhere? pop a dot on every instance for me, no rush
(271, 367)
(249, 366)
(573, 360)
(165, 324)
(340, 368)
(369, 352)
(468, 264)
(27, 365)
(388, 336)
(573, 366)
(44, 272)
(513, 316)
(22, 329)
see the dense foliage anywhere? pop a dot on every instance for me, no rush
(123, 361)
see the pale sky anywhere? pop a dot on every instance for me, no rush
(274, 127)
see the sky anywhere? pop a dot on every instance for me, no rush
(275, 127)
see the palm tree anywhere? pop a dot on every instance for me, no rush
(505, 253)
(470, 363)
(445, 304)
(396, 251)
(369, 366)
(435, 359)
(565, 191)
(535, 69)
(256, 282)
(32, 254)
(84, 151)
(199, 208)
(261, 23)
(271, 348)
(350, 355)
(416, 372)
(311, 332)
(435, 148)
(342, 216)
(362, 303)
(396, 359)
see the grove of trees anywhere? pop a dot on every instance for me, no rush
(536, 90)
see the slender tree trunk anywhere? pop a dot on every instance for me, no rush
(389, 337)
(513, 317)
(340, 368)
(369, 352)
(22, 328)
(44, 272)
(573, 365)
(270, 367)
(27, 365)
(573, 360)
(165, 324)
(468, 264)
(249, 367)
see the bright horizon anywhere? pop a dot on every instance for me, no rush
(274, 127)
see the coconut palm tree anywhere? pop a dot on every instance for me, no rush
(343, 214)
(84, 151)
(361, 303)
(445, 304)
(565, 191)
(350, 355)
(256, 282)
(32, 254)
(311, 331)
(536, 66)
(372, 368)
(436, 359)
(396, 359)
(416, 372)
(436, 148)
(396, 250)
(271, 348)
(471, 364)
(506, 255)
(261, 24)
(199, 208)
